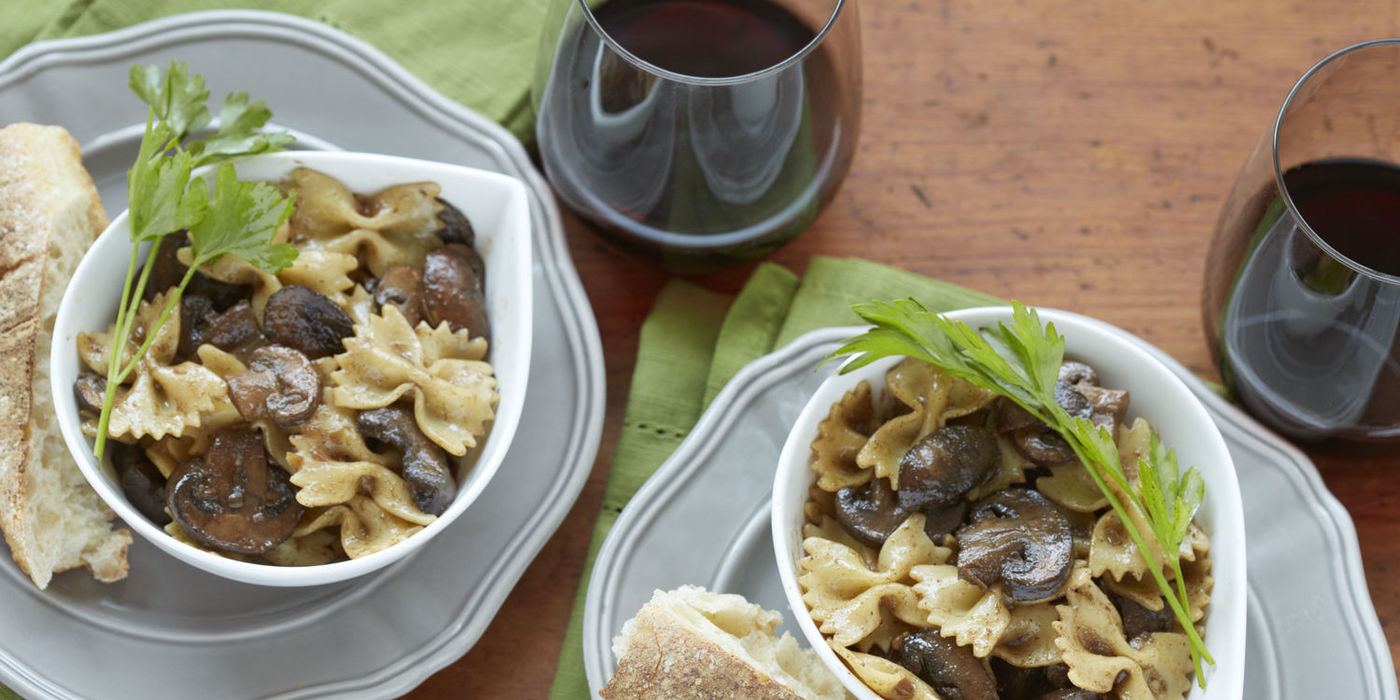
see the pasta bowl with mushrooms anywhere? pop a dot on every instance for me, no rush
(314, 424)
(936, 540)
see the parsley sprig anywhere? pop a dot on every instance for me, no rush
(1021, 361)
(238, 218)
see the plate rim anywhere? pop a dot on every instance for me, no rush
(754, 377)
(565, 292)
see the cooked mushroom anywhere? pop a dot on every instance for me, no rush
(167, 272)
(89, 390)
(1109, 405)
(425, 465)
(455, 226)
(945, 464)
(951, 670)
(306, 320)
(1139, 621)
(1077, 373)
(142, 483)
(944, 521)
(281, 384)
(233, 500)
(402, 288)
(869, 512)
(454, 290)
(1019, 538)
(1042, 445)
(235, 330)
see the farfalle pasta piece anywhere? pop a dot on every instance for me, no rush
(887, 678)
(327, 272)
(311, 549)
(454, 391)
(971, 616)
(840, 437)
(396, 226)
(848, 599)
(1099, 658)
(933, 398)
(161, 399)
(1112, 551)
(331, 465)
(365, 528)
(1029, 638)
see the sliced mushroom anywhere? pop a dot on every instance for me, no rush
(402, 288)
(869, 512)
(89, 390)
(1139, 621)
(1109, 405)
(281, 384)
(945, 464)
(141, 481)
(944, 521)
(1077, 373)
(455, 226)
(233, 499)
(168, 271)
(455, 291)
(1018, 538)
(951, 670)
(425, 465)
(235, 330)
(304, 319)
(1042, 445)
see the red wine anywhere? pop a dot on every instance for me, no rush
(1354, 205)
(699, 173)
(1311, 345)
(705, 38)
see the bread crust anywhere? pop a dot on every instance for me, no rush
(45, 196)
(667, 659)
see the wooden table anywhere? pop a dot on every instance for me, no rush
(1070, 153)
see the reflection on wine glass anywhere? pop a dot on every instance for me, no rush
(699, 132)
(1302, 296)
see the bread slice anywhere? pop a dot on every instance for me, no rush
(49, 215)
(690, 643)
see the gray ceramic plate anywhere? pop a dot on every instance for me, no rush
(703, 519)
(170, 630)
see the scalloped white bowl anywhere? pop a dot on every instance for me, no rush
(498, 209)
(1156, 394)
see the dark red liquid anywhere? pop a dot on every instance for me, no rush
(705, 38)
(1354, 205)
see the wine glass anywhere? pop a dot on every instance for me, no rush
(1302, 285)
(698, 132)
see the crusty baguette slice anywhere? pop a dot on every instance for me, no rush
(49, 215)
(690, 643)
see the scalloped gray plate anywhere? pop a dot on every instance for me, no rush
(170, 630)
(703, 519)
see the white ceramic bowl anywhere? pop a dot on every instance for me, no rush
(1156, 394)
(498, 210)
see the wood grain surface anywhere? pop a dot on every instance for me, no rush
(1071, 154)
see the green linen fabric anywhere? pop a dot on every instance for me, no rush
(693, 342)
(480, 53)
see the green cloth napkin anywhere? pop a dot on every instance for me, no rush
(693, 342)
(480, 53)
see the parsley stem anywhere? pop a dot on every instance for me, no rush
(1198, 646)
(118, 344)
(170, 305)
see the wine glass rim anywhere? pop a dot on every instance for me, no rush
(1278, 170)
(700, 80)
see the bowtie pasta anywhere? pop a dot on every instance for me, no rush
(314, 415)
(955, 548)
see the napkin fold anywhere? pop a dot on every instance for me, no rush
(693, 342)
(480, 53)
